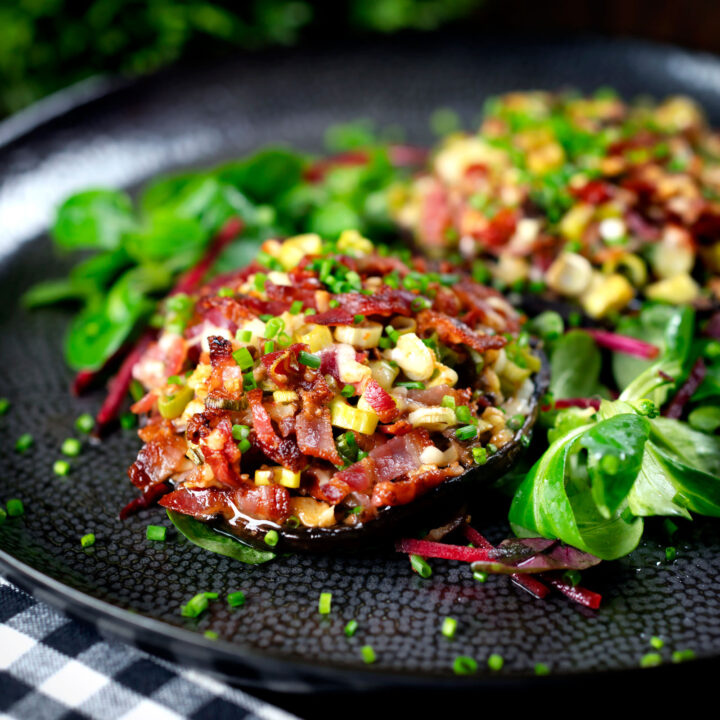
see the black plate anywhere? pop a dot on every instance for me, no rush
(134, 588)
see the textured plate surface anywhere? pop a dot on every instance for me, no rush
(135, 588)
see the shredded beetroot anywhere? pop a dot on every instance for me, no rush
(408, 155)
(148, 498)
(84, 380)
(120, 384)
(579, 594)
(430, 549)
(189, 281)
(675, 409)
(573, 402)
(624, 344)
(530, 584)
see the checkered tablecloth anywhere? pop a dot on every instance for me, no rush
(53, 668)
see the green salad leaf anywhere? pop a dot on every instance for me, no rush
(575, 366)
(205, 537)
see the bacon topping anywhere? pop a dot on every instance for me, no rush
(452, 331)
(380, 401)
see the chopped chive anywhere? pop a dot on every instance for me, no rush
(324, 603)
(128, 421)
(243, 358)
(87, 540)
(269, 347)
(71, 447)
(421, 566)
(479, 455)
(61, 467)
(463, 414)
(334, 303)
(358, 319)
(448, 402)
(495, 662)
(244, 445)
(670, 527)
(516, 422)
(682, 655)
(85, 423)
(480, 576)
(571, 577)
(310, 311)
(347, 391)
(542, 669)
(296, 307)
(226, 292)
(156, 532)
(4, 405)
(243, 336)
(384, 343)
(293, 522)
(249, 381)
(197, 605)
(211, 635)
(449, 626)
(274, 326)
(650, 660)
(491, 448)
(464, 665)
(259, 281)
(308, 359)
(236, 599)
(368, 654)
(15, 508)
(525, 441)
(266, 316)
(271, 538)
(284, 340)
(351, 628)
(3, 515)
(670, 554)
(174, 380)
(657, 642)
(411, 385)
(467, 432)
(24, 442)
(240, 432)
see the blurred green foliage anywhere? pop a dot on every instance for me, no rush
(48, 44)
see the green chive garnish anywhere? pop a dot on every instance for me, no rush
(310, 311)
(464, 665)
(273, 327)
(495, 662)
(240, 432)
(650, 660)
(244, 445)
(24, 442)
(243, 358)
(269, 347)
(197, 605)
(351, 628)
(87, 540)
(156, 532)
(334, 304)
(128, 421)
(516, 422)
(420, 566)
(236, 599)
(670, 553)
(226, 292)
(542, 669)
(368, 654)
(347, 391)
(3, 515)
(61, 467)
(463, 414)
(411, 385)
(85, 423)
(324, 603)
(308, 359)
(15, 508)
(4, 405)
(243, 336)
(271, 538)
(71, 447)
(211, 635)
(467, 432)
(259, 281)
(358, 319)
(249, 381)
(657, 642)
(448, 402)
(479, 455)
(682, 655)
(480, 576)
(449, 625)
(296, 307)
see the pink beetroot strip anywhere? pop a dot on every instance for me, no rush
(564, 403)
(624, 344)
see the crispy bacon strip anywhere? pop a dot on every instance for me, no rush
(452, 331)
(283, 451)
(315, 435)
(402, 492)
(380, 401)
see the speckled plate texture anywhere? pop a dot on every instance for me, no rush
(121, 135)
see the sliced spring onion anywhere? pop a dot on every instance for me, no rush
(650, 660)
(479, 455)
(542, 669)
(87, 540)
(128, 421)
(271, 538)
(368, 654)
(351, 628)
(657, 642)
(15, 508)
(448, 628)
(4, 405)
(61, 467)
(243, 358)
(24, 442)
(324, 603)
(682, 655)
(310, 360)
(467, 432)
(240, 432)
(421, 566)
(463, 414)
(85, 423)
(211, 635)
(157, 533)
(464, 665)
(480, 576)
(495, 662)
(236, 599)
(71, 447)
(197, 605)
(296, 307)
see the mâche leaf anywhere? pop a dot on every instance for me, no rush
(575, 366)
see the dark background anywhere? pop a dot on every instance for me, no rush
(46, 45)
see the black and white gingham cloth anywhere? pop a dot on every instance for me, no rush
(53, 668)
